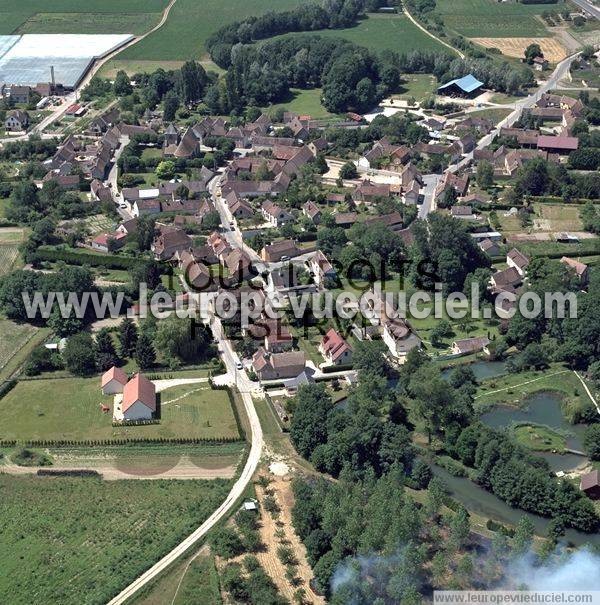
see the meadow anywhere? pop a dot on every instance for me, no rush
(68, 409)
(13, 337)
(489, 18)
(385, 32)
(83, 540)
(74, 16)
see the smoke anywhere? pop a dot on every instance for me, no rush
(579, 570)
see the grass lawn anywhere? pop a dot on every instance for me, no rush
(191, 22)
(585, 247)
(383, 32)
(539, 438)
(74, 16)
(304, 102)
(495, 114)
(492, 19)
(84, 540)
(417, 86)
(69, 409)
(557, 217)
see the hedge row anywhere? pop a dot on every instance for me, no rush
(128, 441)
(46, 472)
(7, 386)
(86, 258)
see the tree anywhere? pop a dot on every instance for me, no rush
(79, 355)
(591, 441)
(485, 175)
(193, 81)
(308, 427)
(533, 51)
(145, 232)
(165, 170)
(128, 337)
(122, 85)
(369, 358)
(145, 355)
(348, 171)
(171, 105)
(181, 341)
(523, 539)
(105, 348)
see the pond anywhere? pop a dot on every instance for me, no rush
(482, 369)
(480, 501)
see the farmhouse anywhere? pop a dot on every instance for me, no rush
(139, 399)
(335, 349)
(16, 120)
(271, 366)
(170, 241)
(283, 250)
(113, 381)
(580, 269)
(561, 145)
(469, 345)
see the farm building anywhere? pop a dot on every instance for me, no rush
(113, 381)
(139, 399)
(590, 484)
(467, 86)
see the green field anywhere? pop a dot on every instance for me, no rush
(69, 409)
(384, 32)
(191, 22)
(492, 19)
(74, 16)
(539, 438)
(84, 540)
(304, 102)
(13, 337)
(416, 86)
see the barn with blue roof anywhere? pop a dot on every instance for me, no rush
(467, 86)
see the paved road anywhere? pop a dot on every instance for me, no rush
(588, 7)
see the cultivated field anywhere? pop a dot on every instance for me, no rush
(489, 18)
(84, 539)
(13, 336)
(191, 22)
(553, 50)
(74, 16)
(10, 238)
(556, 217)
(69, 409)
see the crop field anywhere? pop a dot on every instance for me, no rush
(73, 16)
(553, 50)
(69, 409)
(84, 540)
(489, 18)
(557, 217)
(10, 238)
(13, 337)
(385, 32)
(191, 22)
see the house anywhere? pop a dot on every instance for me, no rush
(345, 219)
(590, 485)
(399, 338)
(70, 182)
(100, 192)
(16, 120)
(240, 209)
(508, 279)
(278, 337)
(19, 94)
(274, 214)
(518, 260)
(104, 122)
(113, 381)
(318, 146)
(144, 207)
(489, 247)
(139, 399)
(107, 242)
(170, 241)
(128, 227)
(450, 180)
(321, 268)
(467, 86)
(282, 250)
(469, 345)
(312, 211)
(463, 212)
(335, 349)
(539, 63)
(580, 269)
(273, 366)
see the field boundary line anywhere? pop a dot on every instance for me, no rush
(522, 384)
(424, 29)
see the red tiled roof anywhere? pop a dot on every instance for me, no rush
(139, 388)
(114, 373)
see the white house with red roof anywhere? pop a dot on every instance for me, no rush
(113, 381)
(335, 349)
(139, 400)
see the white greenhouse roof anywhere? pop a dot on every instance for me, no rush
(27, 59)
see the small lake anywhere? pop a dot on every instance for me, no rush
(482, 369)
